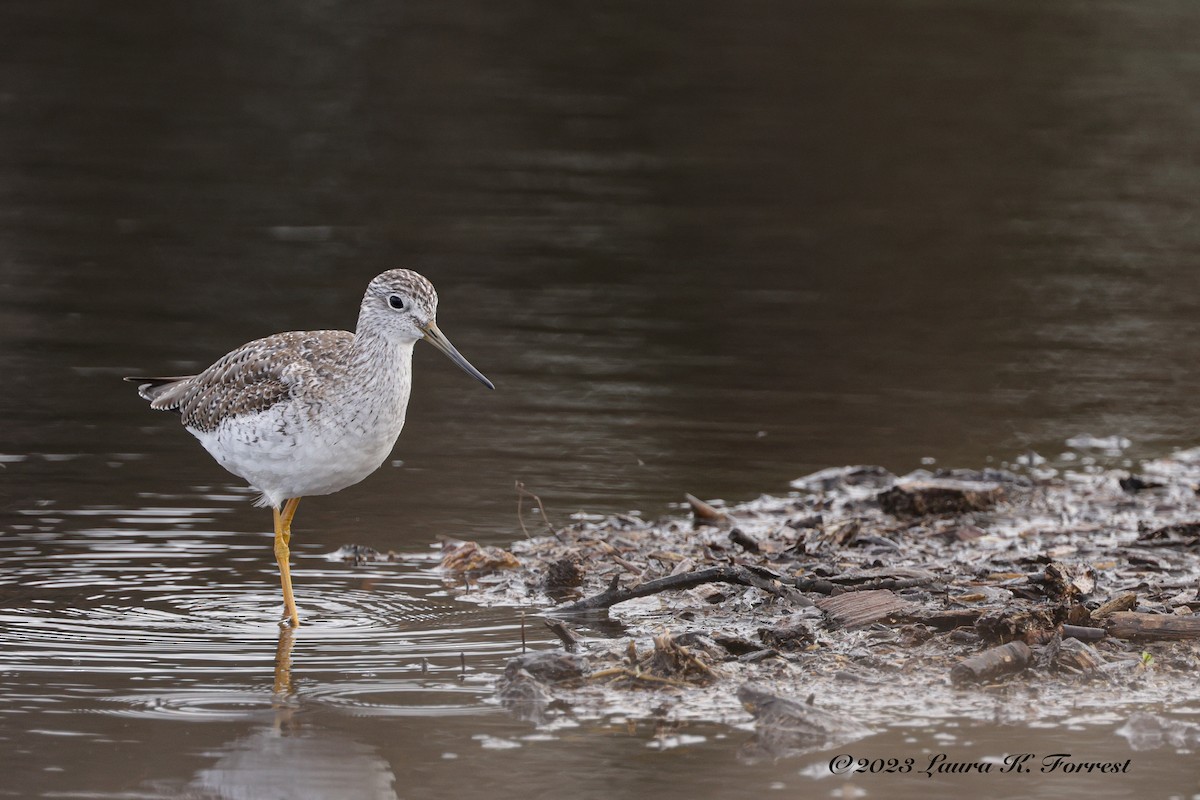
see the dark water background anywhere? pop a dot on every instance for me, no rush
(700, 246)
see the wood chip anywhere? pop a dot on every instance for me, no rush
(705, 513)
(922, 498)
(855, 609)
(992, 663)
(1122, 602)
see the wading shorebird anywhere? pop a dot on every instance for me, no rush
(311, 412)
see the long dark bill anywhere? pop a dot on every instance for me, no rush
(438, 339)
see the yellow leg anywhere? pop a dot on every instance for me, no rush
(283, 537)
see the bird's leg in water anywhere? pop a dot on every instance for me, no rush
(283, 537)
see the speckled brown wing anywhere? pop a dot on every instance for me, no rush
(252, 378)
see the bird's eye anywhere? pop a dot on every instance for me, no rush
(396, 302)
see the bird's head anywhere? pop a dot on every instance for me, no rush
(402, 304)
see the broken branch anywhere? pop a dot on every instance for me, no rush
(727, 573)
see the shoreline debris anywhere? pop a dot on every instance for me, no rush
(885, 596)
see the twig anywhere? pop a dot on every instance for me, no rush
(569, 638)
(521, 516)
(866, 580)
(1083, 633)
(728, 573)
(615, 554)
(705, 513)
(828, 586)
(521, 493)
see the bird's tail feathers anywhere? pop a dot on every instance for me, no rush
(161, 392)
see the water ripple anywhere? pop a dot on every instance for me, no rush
(197, 705)
(109, 610)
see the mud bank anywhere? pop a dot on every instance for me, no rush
(864, 599)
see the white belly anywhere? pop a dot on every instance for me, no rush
(283, 454)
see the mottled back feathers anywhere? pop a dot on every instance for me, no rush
(252, 378)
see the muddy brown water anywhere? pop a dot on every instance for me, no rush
(700, 247)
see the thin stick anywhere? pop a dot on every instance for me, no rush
(521, 492)
(729, 573)
(521, 517)
(569, 639)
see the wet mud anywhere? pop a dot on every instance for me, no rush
(862, 598)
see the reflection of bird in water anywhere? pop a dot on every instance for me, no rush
(284, 685)
(785, 728)
(295, 765)
(311, 412)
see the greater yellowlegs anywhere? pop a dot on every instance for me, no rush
(311, 412)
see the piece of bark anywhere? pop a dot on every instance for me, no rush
(1122, 602)
(948, 619)
(930, 497)
(855, 609)
(686, 565)
(705, 513)
(744, 540)
(1135, 625)
(992, 663)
